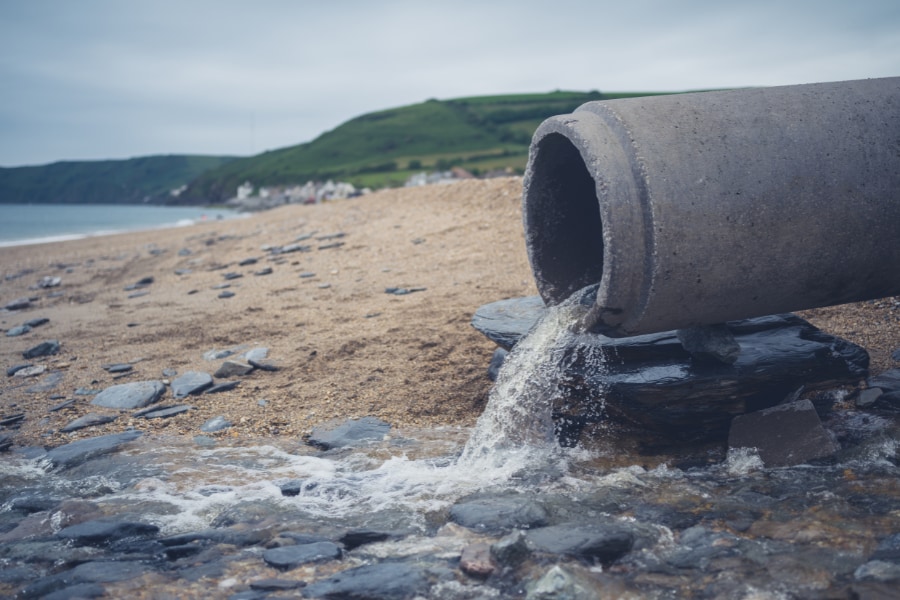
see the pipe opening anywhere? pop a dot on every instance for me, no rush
(563, 220)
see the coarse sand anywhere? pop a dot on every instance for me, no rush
(344, 347)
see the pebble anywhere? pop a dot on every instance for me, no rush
(290, 557)
(233, 368)
(127, 396)
(18, 304)
(162, 412)
(387, 581)
(226, 294)
(117, 368)
(499, 514)
(223, 386)
(215, 424)
(88, 420)
(17, 331)
(476, 560)
(47, 348)
(29, 371)
(399, 291)
(589, 541)
(16, 368)
(191, 383)
(263, 271)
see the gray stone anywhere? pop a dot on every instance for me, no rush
(117, 368)
(496, 514)
(36, 322)
(47, 384)
(257, 354)
(128, 396)
(92, 533)
(224, 386)
(163, 412)
(505, 322)
(49, 282)
(878, 570)
(192, 382)
(384, 581)
(588, 541)
(352, 432)
(895, 355)
(511, 550)
(23, 371)
(496, 363)
(868, 397)
(233, 368)
(888, 549)
(289, 557)
(226, 294)
(215, 424)
(784, 435)
(710, 343)
(47, 348)
(17, 331)
(107, 571)
(16, 368)
(18, 304)
(475, 560)
(88, 420)
(888, 381)
(76, 453)
(559, 584)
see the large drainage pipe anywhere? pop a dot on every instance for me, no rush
(697, 209)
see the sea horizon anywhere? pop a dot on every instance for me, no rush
(31, 224)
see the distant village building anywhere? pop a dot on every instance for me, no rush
(438, 177)
(251, 199)
(245, 190)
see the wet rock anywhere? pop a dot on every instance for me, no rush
(215, 424)
(784, 435)
(888, 549)
(476, 560)
(496, 363)
(652, 381)
(163, 412)
(276, 585)
(868, 397)
(17, 331)
(233, 368)
(888, 381)
(81, 451)
(878, 570)
(559, 584)
(511, 550)
(76, 591)
(88, 420)
(47, 348)
(98, 533)
(128, 396)
(223, 386)
(6, 442)
(496, 514)
(289, 557)
(18, 304)
(357, 538)
(707, 343)
(587, 541)
(47, 384)
(384, 581)
(191, 383)
(352, 432)
(107, 571)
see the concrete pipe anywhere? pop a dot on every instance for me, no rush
(700, 208)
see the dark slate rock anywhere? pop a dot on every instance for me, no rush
(496, 363)
(163, 412)
(385, 581)
(331, 236)
(48, 383)
(588, 541)
(107, 571)
(141, 283)
(101, 532)
(289, 557)
(232, 275)
(707, 343)
(330, 246)
(652, 381)
(233, 368)
(226, 294)
(263, 365)
(895, 355)
(361, 537)
(81, 451)
(263, 271)
(784, 435)
(511, 550)
(248, 261)
(506, 321)
(18, 304)
(215, 424)
(498, 514)
(868, 397)
(88, 420)
(276, 585)
(307, 275)
(6, 442)
(888, 381)
(352, 432)
(399, 291)
(17, 331)
(223, 386)
(34, 371)
(192, 382)
(86, 392)
(79, 590)
(117, 368)
(140, 294)
(128, 396)
(36, 322)
(12, 420)
(256, 354)
(46, 348)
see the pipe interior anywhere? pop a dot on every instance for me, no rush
(566, 231)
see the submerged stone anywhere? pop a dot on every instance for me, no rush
(81, 451)
(784, 435)
(352, 432)
(289, 557)
(499, 514)
(93, 533)
(386, 581)
(588, 541)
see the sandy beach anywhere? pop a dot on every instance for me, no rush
(343, 346)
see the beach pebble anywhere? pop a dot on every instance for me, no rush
(393, 580)
(37, 322)
(117, 368)
(215, 424)
(264, 271)
(46, 348)
(223, 386)
(16, 368)
(88, 420)
(192, 382)
(257, 354)
(18, 304)
(226, 294)
(592, 541)
(127, 396)
(352, 432)
(233, 368)
(17, 331)
(30, 371)
(49, 282)
(78, 452)
(163, 412)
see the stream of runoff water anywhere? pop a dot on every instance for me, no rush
(698, 523)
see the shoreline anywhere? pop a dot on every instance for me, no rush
(309, 283)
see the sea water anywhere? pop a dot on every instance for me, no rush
(37, 223)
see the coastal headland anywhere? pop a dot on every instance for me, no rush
(363, 304)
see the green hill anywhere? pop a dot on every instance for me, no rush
(384, 148)
(103, 181)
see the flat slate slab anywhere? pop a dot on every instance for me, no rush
(192, 382)
(352, 432)
(81, 451)
(128, 396)
(289, 557)
(652, 381)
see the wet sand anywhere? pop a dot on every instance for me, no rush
(344, 347)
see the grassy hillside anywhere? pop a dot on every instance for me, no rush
(103, 182)
(384, 148)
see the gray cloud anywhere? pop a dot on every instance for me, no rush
(107, 79)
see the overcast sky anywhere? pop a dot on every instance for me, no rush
(95, 79)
